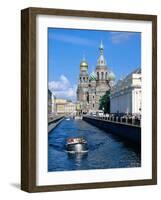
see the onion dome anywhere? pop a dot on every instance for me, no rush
(93, 76)
(84, 64)
(111, 76)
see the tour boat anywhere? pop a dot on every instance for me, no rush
(77, 117)
(76, 145)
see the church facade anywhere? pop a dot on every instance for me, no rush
(91, 87)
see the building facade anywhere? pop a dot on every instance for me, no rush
(126, 94)
(91, 87)
(64, 107)
(53, 103)
(70, 108)
(49, 102)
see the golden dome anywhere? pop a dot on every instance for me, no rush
(84, 64)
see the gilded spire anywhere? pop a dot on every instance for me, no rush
(101, 47)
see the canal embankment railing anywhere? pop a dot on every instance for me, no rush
(53, 122)
(125, 130)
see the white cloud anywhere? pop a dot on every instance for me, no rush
(118, 37)
(63, 88)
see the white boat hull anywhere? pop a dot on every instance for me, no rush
(77, 148)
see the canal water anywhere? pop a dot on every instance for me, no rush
(105, 150)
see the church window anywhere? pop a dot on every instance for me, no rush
(87, 97)
(98, 75)
(102, 75)
(84, 79)
(106, 76)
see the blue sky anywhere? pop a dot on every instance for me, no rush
(66, 48)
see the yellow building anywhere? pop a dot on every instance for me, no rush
(70, 108)
(62, 106)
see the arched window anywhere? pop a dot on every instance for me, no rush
(106, 76)
(102, 75)
(97, 75)
(84, 79)
(87, 97)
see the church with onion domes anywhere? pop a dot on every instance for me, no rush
(91, 87)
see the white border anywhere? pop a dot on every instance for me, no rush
(43, 177)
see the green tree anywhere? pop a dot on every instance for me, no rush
(104, 102)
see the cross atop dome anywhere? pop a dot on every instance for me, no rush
(84, 64)
(84, 58)
(101, 47)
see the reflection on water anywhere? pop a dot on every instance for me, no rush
(77, 156)
(104, 149)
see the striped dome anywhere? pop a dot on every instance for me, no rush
(93, 76)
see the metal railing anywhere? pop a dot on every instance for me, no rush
(54, 118)
(131, 120)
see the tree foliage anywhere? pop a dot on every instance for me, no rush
(104, 102)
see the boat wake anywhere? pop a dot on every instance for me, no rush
(75, 152)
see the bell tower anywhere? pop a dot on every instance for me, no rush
(83, 83)
(101, 68)
(102, 83)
